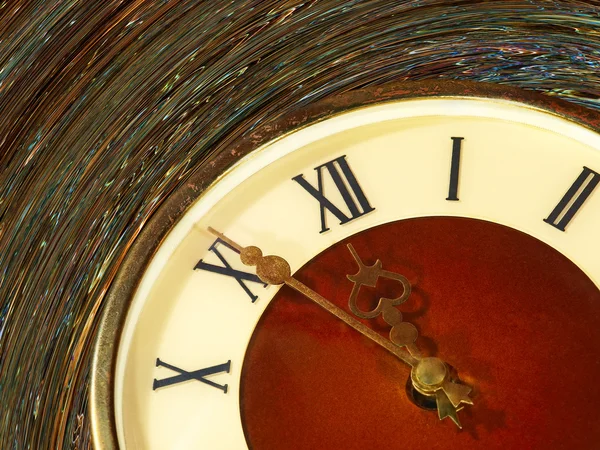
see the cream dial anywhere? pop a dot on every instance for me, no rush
(197, 305)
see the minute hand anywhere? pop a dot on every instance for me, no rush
(275, 270)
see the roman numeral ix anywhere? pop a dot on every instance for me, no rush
(347, 185)
(240, 276)
(574, 199)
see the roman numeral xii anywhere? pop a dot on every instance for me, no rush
(345, 181)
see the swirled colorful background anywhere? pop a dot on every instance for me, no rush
(108, 106)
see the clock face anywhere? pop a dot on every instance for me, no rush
(488, 208)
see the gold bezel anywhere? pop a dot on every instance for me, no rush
(139, 256)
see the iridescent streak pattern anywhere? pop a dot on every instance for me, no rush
(107, 106)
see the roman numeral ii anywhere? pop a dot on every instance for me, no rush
(574, 199)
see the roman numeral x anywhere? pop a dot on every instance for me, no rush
(184, 375)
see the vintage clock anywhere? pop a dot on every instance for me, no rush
(368, 266)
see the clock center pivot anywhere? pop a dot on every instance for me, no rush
(429, 375)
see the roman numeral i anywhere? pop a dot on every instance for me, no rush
(454, 169)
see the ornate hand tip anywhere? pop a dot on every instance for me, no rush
(366, 275)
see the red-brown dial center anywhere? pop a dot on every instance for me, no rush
(518, 320)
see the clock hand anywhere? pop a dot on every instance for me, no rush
(429, 375)
(275, 270)
(403, 334)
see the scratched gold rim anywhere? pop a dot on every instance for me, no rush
(134, 264)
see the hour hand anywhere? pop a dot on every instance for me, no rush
(430, 376)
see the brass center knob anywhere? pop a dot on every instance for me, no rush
(429, 374)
